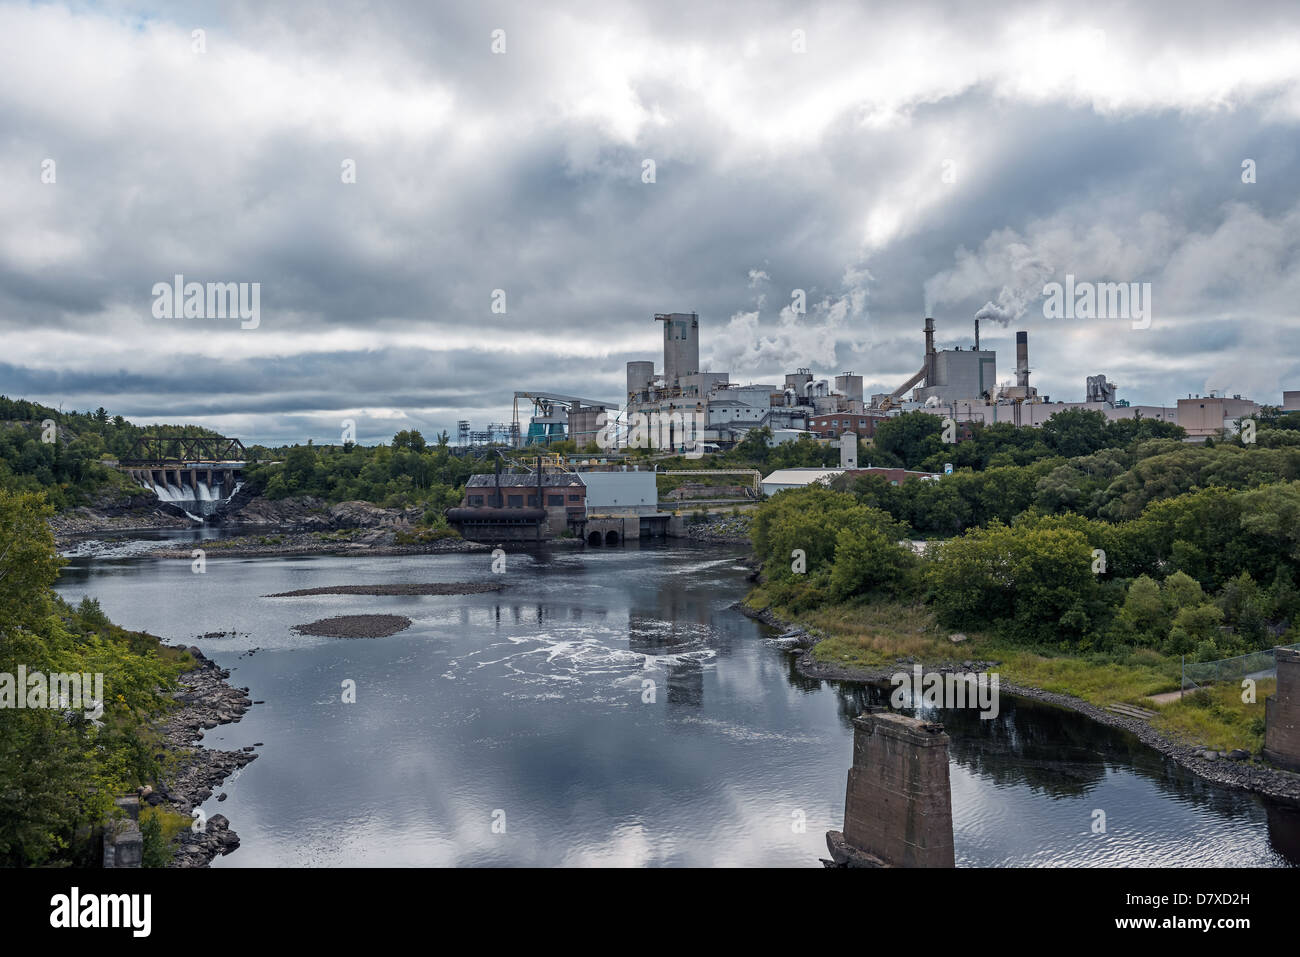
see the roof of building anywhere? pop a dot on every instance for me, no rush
(800, 476)
(549, 480)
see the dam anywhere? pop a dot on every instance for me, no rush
(195, 473)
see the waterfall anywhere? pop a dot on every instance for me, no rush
(198, 500)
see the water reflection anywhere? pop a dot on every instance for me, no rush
(533, 700)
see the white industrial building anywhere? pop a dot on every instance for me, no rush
(783, 479)
(621, 491)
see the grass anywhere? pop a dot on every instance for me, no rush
(1217, 718)
(871, 636)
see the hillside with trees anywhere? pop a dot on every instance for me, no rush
(65, 459)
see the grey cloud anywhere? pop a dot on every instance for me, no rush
(547, 203)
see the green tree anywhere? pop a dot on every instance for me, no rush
(1144, 611)
(911, 437)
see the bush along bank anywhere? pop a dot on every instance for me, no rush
(1089, 613)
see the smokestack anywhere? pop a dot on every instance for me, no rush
(929, 351)
(1022, 359)
(977, 333)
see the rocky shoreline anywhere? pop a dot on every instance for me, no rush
(721, 530)
(206, 701)
(134, 513)
(1273, 783)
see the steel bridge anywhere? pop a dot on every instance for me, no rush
(173, 451)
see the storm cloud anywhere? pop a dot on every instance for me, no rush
(883, 161)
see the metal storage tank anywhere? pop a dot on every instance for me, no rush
(639, 375)
(583, 423)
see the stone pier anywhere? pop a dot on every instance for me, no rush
(1282, 713)
(123, 842)
(898, 807)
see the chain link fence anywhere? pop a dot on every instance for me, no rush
(1257, 664)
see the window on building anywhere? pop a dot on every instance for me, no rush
(532, 500)
(476, 500)
(555, 500)
(575, 498)
(515, 501)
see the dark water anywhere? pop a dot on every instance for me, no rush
(531, 706)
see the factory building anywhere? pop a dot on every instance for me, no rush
(727, 410)
(1209, 416)
(708, 409)
(962, 385)
(1036, 413)
(947, 375)
(533, 507)
(600, 506)
(958, 374)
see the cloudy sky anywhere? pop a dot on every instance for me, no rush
(888, 160)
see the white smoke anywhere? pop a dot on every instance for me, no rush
(1004, 260)
(797, 340)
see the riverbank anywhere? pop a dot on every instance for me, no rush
(206, 700)
(141, 512)
(803, 641)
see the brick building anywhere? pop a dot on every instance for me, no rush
(521, 507)
(832, 424)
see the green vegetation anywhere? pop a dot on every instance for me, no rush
(159, 829)
(1083, 567)
(69, 470)
(406, 473)
(427, 534)
(58, 769)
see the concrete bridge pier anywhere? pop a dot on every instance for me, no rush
(898, 805)
(1282, 713)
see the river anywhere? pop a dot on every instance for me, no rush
(609, 707)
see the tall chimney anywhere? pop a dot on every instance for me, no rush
(977, 333)
(1022, 359)
(929, 351)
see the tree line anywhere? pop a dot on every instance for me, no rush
(1149, 543)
